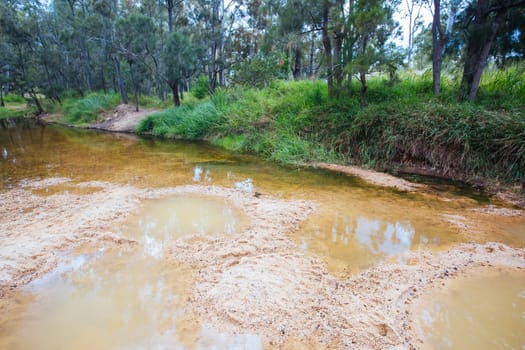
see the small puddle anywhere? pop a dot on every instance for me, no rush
(352, 237)
(160, 221)
(481, 312)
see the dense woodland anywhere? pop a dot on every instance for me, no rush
(296, 81)
(156, 47)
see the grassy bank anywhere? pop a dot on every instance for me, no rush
(16, 107)
(402, 126)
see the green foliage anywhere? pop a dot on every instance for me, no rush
(296, 123)
(200, 88)
(258, 71)
(180, 57)
(11, 98)
(8, 113)
(87, 109)
(191, 121)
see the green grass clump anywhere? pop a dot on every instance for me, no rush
(11, 98)
(7, 113)
(191, 121)
(88, 108)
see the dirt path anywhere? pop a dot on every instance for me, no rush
(124, 118)
(257, 282)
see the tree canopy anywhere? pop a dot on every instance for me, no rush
(160, 47)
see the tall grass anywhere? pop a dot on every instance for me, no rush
(88, 108)
(403, 124)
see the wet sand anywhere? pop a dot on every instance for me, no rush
(258, 281)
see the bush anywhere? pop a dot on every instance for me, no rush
(200, 88)
(87, 109)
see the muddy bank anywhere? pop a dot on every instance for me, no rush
(255, 282)
(123, 118)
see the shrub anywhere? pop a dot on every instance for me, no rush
(200, 88)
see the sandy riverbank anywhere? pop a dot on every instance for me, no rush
(257, 282)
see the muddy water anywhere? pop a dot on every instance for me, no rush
(162, 221)
(355, 226)
(131, 297)
(483, 312)
(100, 300)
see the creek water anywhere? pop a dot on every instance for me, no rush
(134, 298)
(477, 312)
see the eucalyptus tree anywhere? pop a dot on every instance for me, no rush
(484, 20)
(181, 61)
(440, 36)
(374, 25)
(136, 39)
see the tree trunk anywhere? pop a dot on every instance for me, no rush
(6, 86)
(338, 66)
(478, 48)
(311, 59)
(182, 91)
(174, 85)
(327, 48)
(120, 83)
(39, 108)
(2, 104)
(170, 5)
(438, 44)
(135, 86)
(362, 78)
(297, 64)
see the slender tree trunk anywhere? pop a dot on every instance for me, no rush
(182, 91)
(135, 87)
(362, 73)
(39, 108)
(338, 66)
(297, 64)
(170, 6)
(2, 104)
(174, 85)
(6, 85)
(478, 48)
(364, 87)
(438, 43)
(120, 83)
(327, 48)
(311, 59)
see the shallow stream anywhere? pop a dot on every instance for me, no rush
(132, 298)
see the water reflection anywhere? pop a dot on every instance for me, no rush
(197, 174)
(162, 221)
(384, 238)
(103, 300)
(350, 240)
(245, 186)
